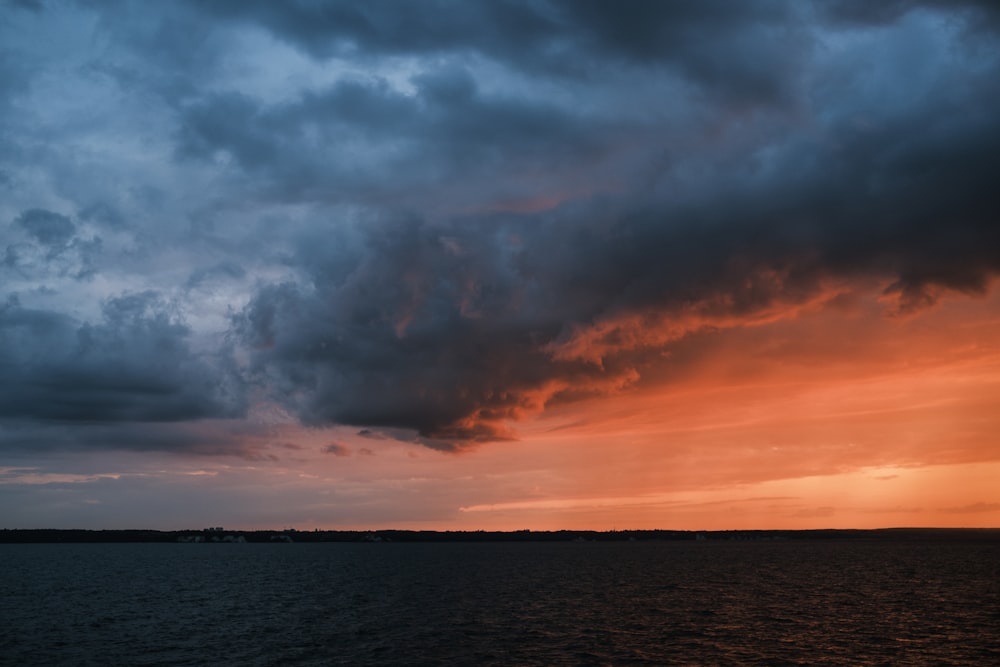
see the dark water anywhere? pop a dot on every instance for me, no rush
(837, 602)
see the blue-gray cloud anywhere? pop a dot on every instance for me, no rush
(391, 215)
(133, 367)
(48, 228)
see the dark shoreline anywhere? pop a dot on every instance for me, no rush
(23, 536)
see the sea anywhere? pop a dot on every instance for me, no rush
(811, 602)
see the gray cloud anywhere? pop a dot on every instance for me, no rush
(48, 228)
(448, 330)
(859, 12)
(341, 142)
(222, 271)
(133, 367)
(49, 246)
(427, 220)
(717, 44)
(337, 449)
(28, 5)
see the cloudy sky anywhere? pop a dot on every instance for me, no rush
(506, 264)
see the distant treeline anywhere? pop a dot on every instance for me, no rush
(18, 535)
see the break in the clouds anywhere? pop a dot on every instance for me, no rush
(428, 220)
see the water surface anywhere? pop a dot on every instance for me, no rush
(793, 602)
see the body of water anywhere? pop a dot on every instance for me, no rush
(603, 603)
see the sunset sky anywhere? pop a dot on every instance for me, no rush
(502, 265)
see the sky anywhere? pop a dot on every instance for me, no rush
(513, 264)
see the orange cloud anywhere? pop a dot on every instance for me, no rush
(834, 390)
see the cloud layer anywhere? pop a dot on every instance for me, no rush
(433, 219)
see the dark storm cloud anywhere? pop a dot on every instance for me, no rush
(456, 213)
(745, 51)
(451, 334)
(133, 367)
(342, 141)
(728, 47)
(860, 12)
(455, 328)
(429, 332)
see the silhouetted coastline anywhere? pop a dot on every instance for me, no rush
(221, 535)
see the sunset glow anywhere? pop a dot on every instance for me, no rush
(522, 266)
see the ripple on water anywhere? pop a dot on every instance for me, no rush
(836, 602)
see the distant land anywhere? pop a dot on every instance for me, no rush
(222, 535)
